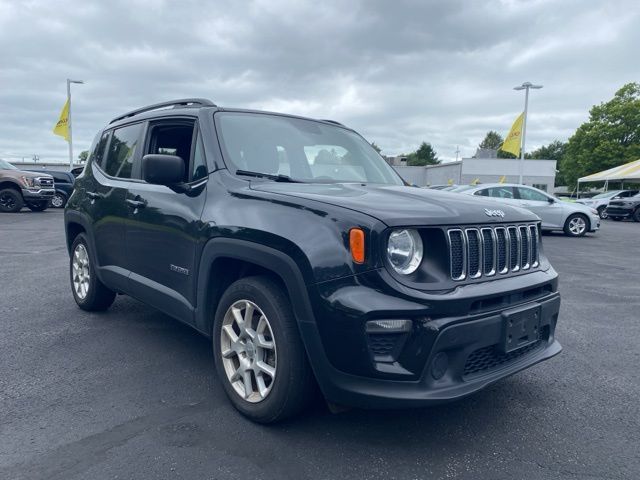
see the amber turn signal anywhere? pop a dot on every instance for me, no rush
(356, 244)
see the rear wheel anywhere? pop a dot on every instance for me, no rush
(258, 352)
(38, 206)
(10, 200)
(88, 291)
(576, 225)
(602, 211)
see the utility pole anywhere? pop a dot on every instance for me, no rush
(525, 86)
(69, 82)
(457, 152)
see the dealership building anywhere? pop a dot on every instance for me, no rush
(537, 173)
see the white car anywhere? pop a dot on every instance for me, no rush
(601, 201)
(574, 219)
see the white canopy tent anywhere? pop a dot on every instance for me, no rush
(627, 172)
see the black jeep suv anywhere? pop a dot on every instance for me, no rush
(306, 259)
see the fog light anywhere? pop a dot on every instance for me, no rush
(439, 365)
(389, 326)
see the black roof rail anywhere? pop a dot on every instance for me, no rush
(184, 102)
(332, 121)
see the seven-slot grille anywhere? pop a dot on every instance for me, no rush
(486, 251)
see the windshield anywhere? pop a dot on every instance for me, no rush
(607, 194)
(305, 150)
(7, 166)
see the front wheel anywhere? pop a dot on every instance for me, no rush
(602, 212)
(258, 352)
(10, 200)
(636, 215)
(59, 200)
(576, 225)
(88, 291)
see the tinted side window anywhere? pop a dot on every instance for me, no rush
(529, 194)
(484, 192)
(97, 154)
(122, 150)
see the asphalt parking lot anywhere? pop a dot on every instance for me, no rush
(133, 394)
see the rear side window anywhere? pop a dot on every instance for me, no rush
(98, 152)
(501, 192)
(122, 151)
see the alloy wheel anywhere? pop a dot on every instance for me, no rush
(577, 225)
(57, 201)
(81, 275)
(248, 351)
(7, 201)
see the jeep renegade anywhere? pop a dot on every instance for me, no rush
(302, 254)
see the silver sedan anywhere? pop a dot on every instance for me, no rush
(572, 218)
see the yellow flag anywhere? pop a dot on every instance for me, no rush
(62, 127)
(503, 179)
(475, 181)
(450, 182)
(512, 142)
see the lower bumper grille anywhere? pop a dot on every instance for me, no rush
(486, 359)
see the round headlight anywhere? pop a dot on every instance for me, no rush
(404, 250)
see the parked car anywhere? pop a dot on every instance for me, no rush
(625, 208)
(601, 201)
(383, 294)
(19, 188)
(572, 218)
(64, 186)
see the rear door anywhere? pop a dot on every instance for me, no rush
(112, 169)
(164, 229)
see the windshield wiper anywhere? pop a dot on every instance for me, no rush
(276, 178)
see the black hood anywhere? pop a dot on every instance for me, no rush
(402, 206)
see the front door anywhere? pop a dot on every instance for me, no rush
(164, 229)
(547, 208)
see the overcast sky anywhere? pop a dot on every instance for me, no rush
(399, 72)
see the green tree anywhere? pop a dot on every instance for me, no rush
(425, 155)
(83, 156)
(554, 151)
(610, 137)
(376, 147)
(492, 140)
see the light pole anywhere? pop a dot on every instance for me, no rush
(525, 86)
(69, 82)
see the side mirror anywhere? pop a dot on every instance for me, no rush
(551, 200)
(163, 169)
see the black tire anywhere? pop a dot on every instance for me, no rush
(10, 200)
(602, 212)
(615, 219)
(568, 225)
(636, 215)
(293, 384)
(38, 206)
(59, 200)
(97, 297)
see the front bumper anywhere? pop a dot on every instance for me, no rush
(594, 221)
(38, 193)
(462, 347)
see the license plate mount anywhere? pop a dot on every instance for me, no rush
(521, 327)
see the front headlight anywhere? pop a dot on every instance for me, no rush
(594, 211)
(27, 181)
(404, 250)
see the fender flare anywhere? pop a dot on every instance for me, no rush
(266, 257)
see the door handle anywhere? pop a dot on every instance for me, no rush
(95, 195)
(136, 203)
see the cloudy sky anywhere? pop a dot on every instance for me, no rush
(399, 72)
